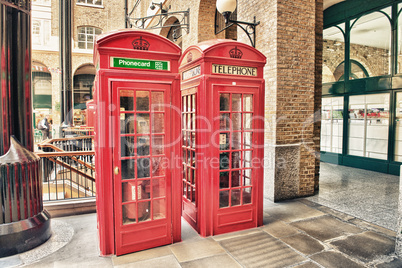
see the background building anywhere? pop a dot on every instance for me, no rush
(89, 19)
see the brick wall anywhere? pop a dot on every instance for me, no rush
(288, 35)
(374, 60)
(319, 22)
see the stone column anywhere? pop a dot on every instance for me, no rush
(289, 35)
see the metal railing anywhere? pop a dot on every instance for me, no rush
(77, 131)
(68, 169)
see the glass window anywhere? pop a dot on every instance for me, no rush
(36, 33)
(86, 37)
(333, 54)
(368, 125)
(332, 125)
(91, 2)
(398, 128)
(35, 27)
(42, 86)
(40, 33)
(83, 81)
(399, 64)
(370, 45)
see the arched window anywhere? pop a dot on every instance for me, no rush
(83, 83)
(370, 43)
(41, 86)
(357, 71)
(86, 36)
(399, 57)
(333, 52)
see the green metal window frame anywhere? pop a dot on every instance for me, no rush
(345, 12)
(358, 64)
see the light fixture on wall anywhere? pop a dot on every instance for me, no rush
(226, 8)
(163, 11)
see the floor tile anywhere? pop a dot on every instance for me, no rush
(373, 227)
(188, 251)
(335, 213)
(307, 265)
(326, 227)
(395, 263)
(330, 259)
(366, 246)
(187, 232)
(280, 229)
(236, 234)
(142, 255)
(304, 243)
(162, 262)
(261, 250)
(217, 261)
(291, 211)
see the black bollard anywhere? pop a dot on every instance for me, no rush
(24, 224)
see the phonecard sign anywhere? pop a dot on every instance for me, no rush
(139, 64)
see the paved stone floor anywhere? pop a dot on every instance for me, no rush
(367, 195)
(300, 233)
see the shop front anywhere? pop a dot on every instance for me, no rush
(362, 102)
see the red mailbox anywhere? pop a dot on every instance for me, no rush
(222, 89)
(137, 138)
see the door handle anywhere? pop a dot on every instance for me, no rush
(116, 171)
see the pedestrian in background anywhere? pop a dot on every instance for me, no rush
(44, 127)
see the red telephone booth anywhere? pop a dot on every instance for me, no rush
(137, 138)
(222, 89)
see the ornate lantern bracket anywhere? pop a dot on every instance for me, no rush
(226, 8)
(158, 21)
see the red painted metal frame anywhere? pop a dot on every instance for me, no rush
(120, 44)
(90, 113)
(207, 86)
